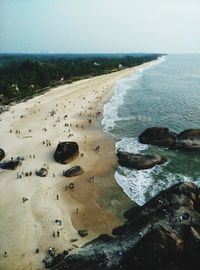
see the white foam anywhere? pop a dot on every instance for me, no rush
(110, 110)
(131, 145)
(141, 186)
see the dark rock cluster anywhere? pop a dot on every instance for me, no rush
(188, 139)
(159, 136)
(164, 234)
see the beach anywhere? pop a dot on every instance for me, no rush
(32, 130)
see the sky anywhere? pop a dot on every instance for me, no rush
(99, 26)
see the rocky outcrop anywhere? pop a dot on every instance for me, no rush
(188, 139)
(66, 152)
(162, 234)
(2, 154)
(157, 136)
(139, 161)
(43, 172)
(74, 171)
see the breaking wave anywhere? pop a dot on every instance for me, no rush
(110, 110)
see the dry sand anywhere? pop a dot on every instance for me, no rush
(27, 226)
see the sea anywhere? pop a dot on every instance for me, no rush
(164, 94)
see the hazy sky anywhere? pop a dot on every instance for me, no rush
(86, 26)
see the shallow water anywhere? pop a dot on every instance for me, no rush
(166, 94)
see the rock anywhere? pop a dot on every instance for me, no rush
(188, 139)
(51, 262)
(66, 152)
(83, 233)
(10, 165)
(139, 161)
(159, 242)
(192, 248)
(162, 234)
(47, 262)
(74, 171)
(158, 136)
(2, 154)
(189, 134)
(43, 172)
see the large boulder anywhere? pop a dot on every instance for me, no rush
(2, 154)
(188, 139)
(158, 136)
(139, 161)
(66, 152)
(162, 234)
(74, 171)
(43, 172)
(10, 165)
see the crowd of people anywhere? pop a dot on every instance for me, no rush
(83, 119)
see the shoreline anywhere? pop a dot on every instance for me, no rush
(28, 226)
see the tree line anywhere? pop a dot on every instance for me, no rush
(22, 77)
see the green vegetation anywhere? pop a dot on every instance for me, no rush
(23, 76)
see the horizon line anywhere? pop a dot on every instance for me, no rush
(98, 53)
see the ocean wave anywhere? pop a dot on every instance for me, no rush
(141, 118)
(141, 186)
(110, 110)
(130, 145)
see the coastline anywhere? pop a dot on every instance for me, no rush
(25, 227)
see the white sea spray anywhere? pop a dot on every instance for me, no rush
(140, 186)
(130, 145)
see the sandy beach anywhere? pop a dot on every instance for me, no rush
(32, 130)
